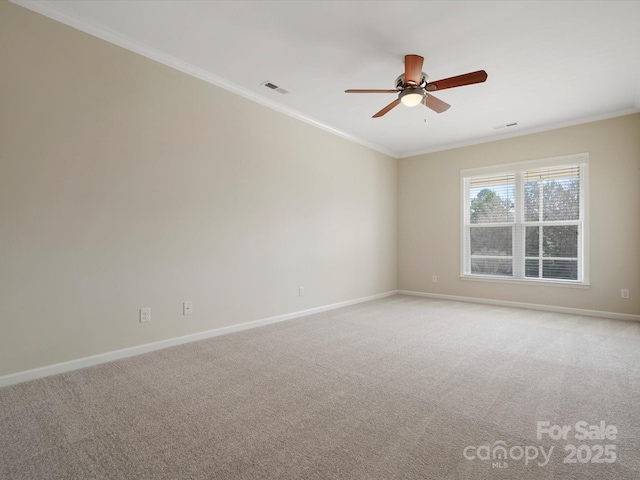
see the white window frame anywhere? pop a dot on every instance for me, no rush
(519, 168)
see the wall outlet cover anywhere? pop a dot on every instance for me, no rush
(187, 308)
(145, 315)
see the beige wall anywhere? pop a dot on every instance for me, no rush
(429, 216)
(126, 184)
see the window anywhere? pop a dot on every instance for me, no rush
(526, 221)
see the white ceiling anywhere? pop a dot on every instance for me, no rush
(549, 63)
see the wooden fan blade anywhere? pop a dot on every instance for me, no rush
(435, 104)
(387, 108)
(413, 69)
(459, 81)
(370, 91)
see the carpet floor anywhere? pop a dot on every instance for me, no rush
(397, 388)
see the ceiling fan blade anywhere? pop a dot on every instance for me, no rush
(413, 69)
(370, 91)
(435, 104)
(459, 81)
(387, 108)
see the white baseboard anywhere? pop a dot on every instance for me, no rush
(530, 306)
(71, 365)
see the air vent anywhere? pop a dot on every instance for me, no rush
(512, 124)
(274, 87)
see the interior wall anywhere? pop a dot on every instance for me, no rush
(430, 214)
(127, 184)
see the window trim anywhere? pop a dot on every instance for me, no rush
(518, 168)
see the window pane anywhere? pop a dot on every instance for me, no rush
(533, 242)
(561, 199)
(531, 201)
(554, 191)
(560, 269)
(492, 199)
(492, 266)
(492, 241)
(491, 250)
(532, 268)
(560, 241)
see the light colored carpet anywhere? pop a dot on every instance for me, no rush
(395, 388)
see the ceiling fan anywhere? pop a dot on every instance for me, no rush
(413, 86)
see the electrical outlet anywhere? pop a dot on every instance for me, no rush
(301, 291)
(434, 279)
(187, 308)
(145, 315)
(624, 293)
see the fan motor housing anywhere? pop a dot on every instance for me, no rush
(400, 83)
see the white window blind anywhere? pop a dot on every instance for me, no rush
(526, 222)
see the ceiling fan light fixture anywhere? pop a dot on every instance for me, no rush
(411, 96)
(412, 87)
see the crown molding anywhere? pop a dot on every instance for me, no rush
(528, 131)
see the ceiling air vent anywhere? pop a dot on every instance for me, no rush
(274, 87)
(512, 124)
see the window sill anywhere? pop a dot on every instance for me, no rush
(523, 281)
